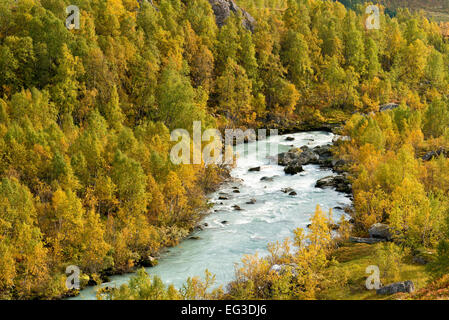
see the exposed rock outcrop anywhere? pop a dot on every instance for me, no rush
(435, 154)
(388, 106)
(223, 8)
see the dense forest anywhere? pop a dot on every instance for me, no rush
(86, 115)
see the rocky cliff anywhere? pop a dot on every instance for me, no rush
(223, 8)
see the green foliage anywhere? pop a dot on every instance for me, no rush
(141, 287)
(389, 258)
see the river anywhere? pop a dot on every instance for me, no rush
(273, 217)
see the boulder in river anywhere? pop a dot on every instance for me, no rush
(237, 208)
(236, 191)
(252, 201)
(268, 179)
(223, 198)
(338, 165)
(403, 286)
(285, 158)
(289, 139)
(287, 190)
(297, 157)
(255, 169)
(323, 151)
(293, 193)
(340, 183)
(148, 261)
(293, 168)
(201, 227)
(325, 155)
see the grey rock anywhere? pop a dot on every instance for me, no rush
(287, 190)
(295, 158)
(337, 139)
(365, 240)
(252, 201)
(380, 231)
(201, 227)
(223, 8)
(340, 183)
(276, 268)
(435, 154)
(325, 155)
(149, 261)
(388, 106)
(281, 269)
(323, 151)
(404, 286)
(293, 169)
(420, 260)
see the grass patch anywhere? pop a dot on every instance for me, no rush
(353, 259)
